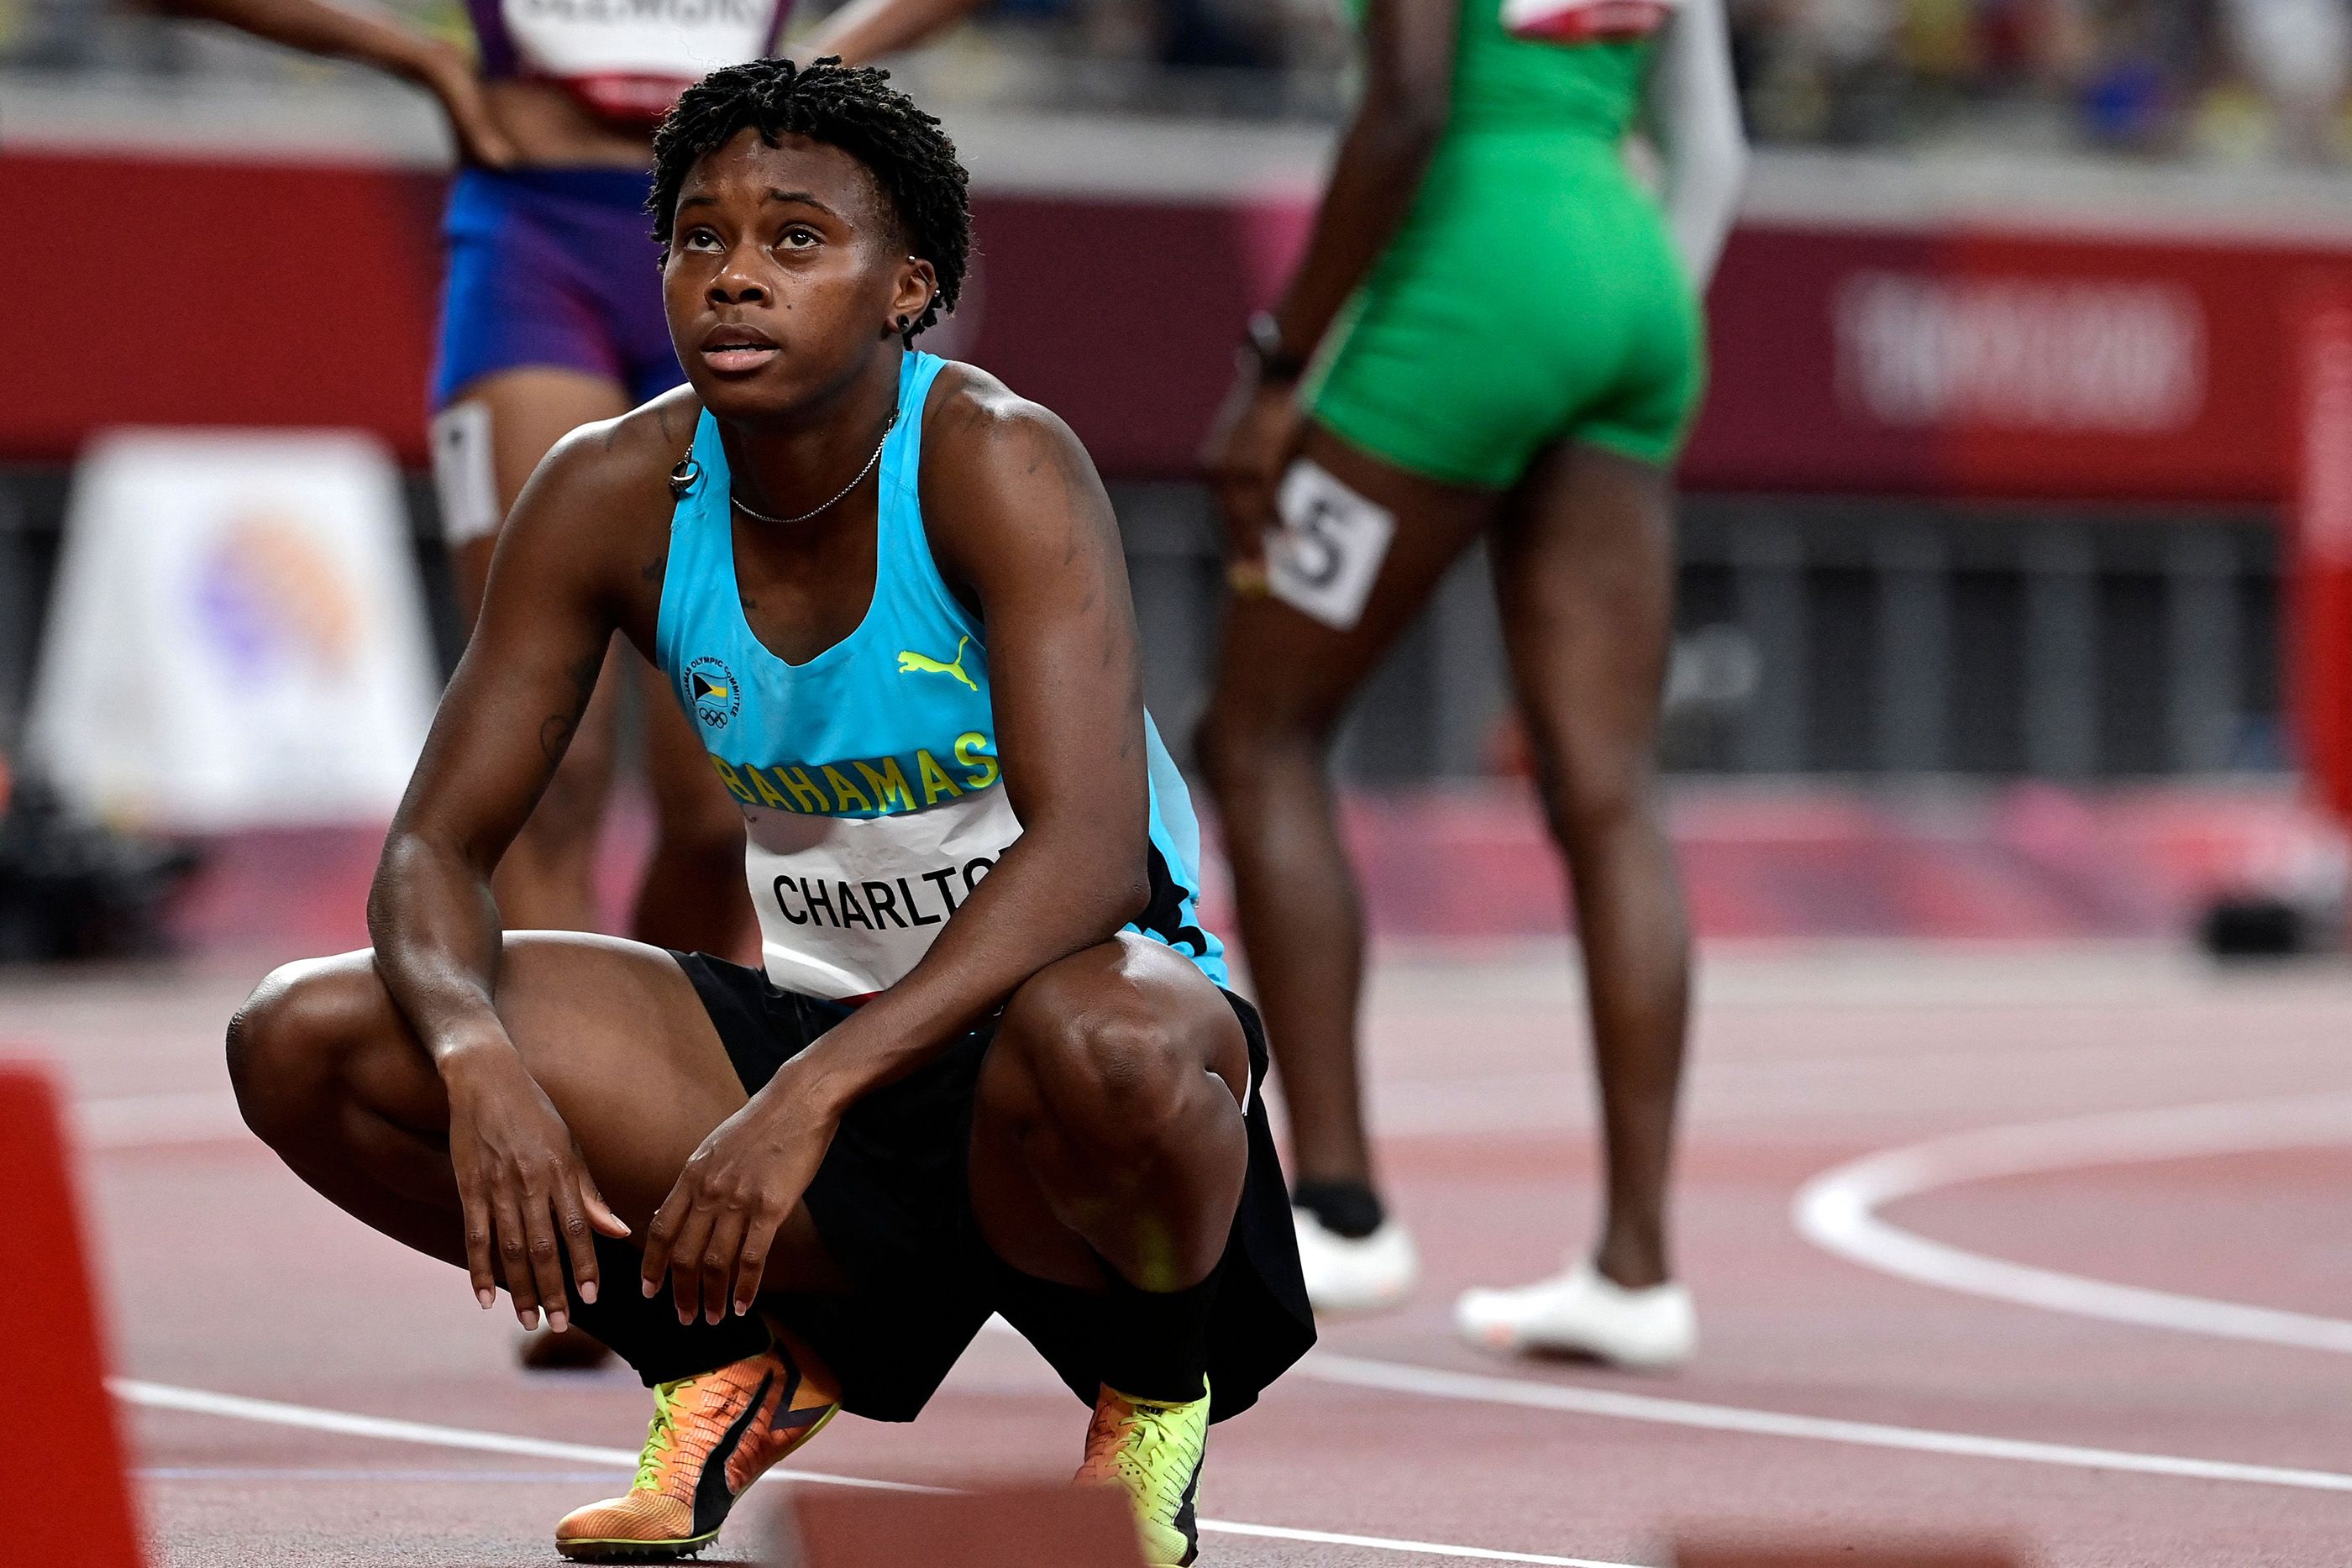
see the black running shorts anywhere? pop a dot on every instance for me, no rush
(893, 1205)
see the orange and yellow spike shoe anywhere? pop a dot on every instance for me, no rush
(711, 1438)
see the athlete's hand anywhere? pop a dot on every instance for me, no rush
(1258, 433)
(449, 74)
(527, 1197)
(712, 1234)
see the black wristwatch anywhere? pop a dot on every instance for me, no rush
(1275, 362)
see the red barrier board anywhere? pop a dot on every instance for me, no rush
(187, 293)
(2320, 633)
(52, 1360)
(1974, 364)
(1939, 361)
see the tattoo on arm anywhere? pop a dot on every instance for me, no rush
(555, 733)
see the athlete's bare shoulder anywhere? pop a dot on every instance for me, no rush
(1004, 480)
(990, 452)
(969, 410)
(604, 490)
(627, 458)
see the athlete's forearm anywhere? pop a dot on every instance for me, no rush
(319, 29)
(865, 30)
(1048, 896)
(437, 935)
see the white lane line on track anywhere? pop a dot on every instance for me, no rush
(309, 1417)
(1384, 1544)
(271, 1412)
(1397, 1377)
(1837, 1210)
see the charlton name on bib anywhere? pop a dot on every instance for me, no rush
(905, 903)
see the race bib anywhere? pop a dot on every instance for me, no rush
(848, 905)
(1327, 555)
(465, 475)
(629, 60)
(1585, 21)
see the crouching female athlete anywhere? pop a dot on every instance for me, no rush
(990, 1066)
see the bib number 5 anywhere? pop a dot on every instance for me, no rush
(1328, 554)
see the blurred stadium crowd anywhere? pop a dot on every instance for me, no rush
(2215, 78)
(2219, 80)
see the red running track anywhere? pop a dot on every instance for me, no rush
(1830, 1398)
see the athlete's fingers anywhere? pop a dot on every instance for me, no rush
(579, 1235)
(661, 1237)
(545, 1224)
(1245, 533)
(494, 147)
(686, 1262)
(483, 138)
(717, 1275)
(459, 85)
(751, 1264)
(1244, 529)
(581, 1210)
(514, 1256)
(476, 1212)
(600, 1213)
(1245, 500)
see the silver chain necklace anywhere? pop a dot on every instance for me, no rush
(846, 490)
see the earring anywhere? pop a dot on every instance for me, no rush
(684, 477)
(902, 323)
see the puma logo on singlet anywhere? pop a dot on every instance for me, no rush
(911, 663)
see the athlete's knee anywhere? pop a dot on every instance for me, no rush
(1104, 1064)
(1592, 803)
(1238, 745)
(287, 1047)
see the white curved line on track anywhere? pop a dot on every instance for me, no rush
(271, 1412)
(1838, 1210)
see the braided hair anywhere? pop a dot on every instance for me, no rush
(849, 107)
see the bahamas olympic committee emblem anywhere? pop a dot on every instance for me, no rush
(711, 687)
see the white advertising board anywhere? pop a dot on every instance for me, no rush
(236, 634)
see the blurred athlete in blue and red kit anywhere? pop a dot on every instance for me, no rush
(550, 318)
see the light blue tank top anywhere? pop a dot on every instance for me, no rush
(868, 776)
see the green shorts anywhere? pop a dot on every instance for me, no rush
(1533, 295)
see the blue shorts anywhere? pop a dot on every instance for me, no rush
(552, 267)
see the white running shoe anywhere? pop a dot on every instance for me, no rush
(1581, 1313)
(1352, 1274)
